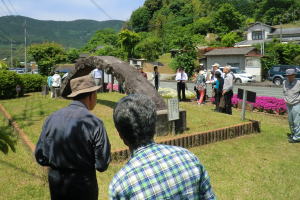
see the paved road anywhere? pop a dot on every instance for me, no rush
(260, 91)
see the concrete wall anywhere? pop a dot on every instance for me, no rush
(225, 60)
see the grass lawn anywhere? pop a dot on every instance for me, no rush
(31, 111)
(261, 166)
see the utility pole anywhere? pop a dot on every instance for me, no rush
(262, 44)
(280, 32)
(11, 54)
(25, 41)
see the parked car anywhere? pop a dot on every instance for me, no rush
(277, 73)
(240, 75)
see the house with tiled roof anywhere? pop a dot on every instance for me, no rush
(244, 58)
(258, 33)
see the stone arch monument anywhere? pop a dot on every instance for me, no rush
(134, 81)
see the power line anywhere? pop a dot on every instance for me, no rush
(101, 9)
(7, 8)
(12, 6)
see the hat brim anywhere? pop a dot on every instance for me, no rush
(291, 74)
(91, 89)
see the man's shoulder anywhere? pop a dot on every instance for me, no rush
(77, 113)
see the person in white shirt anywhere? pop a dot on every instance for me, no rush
(181, 78)
(56, 83)
(97, 76)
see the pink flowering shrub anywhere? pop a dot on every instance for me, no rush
(115, 87)
(263, 104)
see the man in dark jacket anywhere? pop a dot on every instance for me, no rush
(74, 143)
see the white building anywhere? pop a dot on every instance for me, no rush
(258, 33)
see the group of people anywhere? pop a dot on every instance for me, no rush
(222, 83)
(74, 143)
(222, 87)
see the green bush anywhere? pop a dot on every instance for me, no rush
(33, 82)
(8, 82)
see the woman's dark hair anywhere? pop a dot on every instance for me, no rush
(217, 74)
(135, 119)
(155, 67)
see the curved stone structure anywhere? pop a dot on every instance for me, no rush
(134, 81)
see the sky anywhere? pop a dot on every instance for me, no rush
(68, 10)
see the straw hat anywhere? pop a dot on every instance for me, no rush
(83, 84)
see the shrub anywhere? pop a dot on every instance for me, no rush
(33, 82)
(8, 82)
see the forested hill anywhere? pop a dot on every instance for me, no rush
(170, 19)
(73, 34)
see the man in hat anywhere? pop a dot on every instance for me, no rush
(74, 143)
(291, 92)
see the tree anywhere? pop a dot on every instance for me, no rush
(226, 19)
(275, 11)
(202, 25)
(128, 39)
(229, 39)
(101, 38)
(153, 5)
(140, 19)
(279, 53)
(186, 57)
(3, 65)
(149, 48)
(111, 51)
(72, 55)
(47, 55)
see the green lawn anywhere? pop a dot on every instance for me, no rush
(260, 166)
(31, 111)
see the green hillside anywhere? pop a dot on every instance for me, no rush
(71, 34)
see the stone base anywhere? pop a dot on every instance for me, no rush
(165, 127)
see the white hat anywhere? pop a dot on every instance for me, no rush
(216, 64)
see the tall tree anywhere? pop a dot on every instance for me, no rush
(153, 5)
(140, 19)
(149, 48)
(101, 38)
(47, 55)
(226, 19)
(128, 39)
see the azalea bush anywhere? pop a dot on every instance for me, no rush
(271, 105)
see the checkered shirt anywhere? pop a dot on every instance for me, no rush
(160, 171)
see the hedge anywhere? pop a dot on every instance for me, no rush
(28, 83)
(8, 83)
(33, 82)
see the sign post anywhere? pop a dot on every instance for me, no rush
(244, 105)
(246, 95)
(173, 112)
